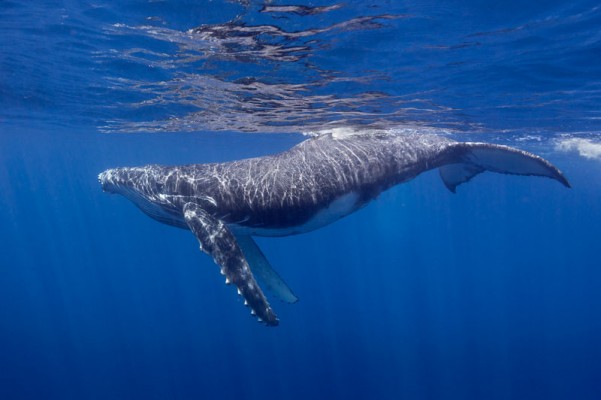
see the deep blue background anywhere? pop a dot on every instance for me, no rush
(491, 293)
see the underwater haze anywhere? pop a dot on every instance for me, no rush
(490, 293)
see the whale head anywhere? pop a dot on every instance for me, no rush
(142, 186)
(107, 181)
(122, 180)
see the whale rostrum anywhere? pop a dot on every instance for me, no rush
(304, 188)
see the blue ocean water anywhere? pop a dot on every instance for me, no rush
(490, 293)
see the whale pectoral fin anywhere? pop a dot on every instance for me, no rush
(217, 240)
(466, 160)
(263, 271)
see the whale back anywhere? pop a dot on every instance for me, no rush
(290, 188)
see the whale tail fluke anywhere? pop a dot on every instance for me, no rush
(466, 160)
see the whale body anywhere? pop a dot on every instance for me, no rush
(304, 188)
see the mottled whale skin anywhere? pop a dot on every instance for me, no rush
(309, 186)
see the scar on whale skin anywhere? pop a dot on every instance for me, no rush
(302, 189)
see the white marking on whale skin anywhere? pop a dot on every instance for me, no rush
(340, 207)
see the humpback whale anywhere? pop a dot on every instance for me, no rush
(313, 184)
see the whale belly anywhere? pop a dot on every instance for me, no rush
(340, 207)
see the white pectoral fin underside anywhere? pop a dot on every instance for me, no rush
(263, 271)
(218, 241)
(467, 160)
